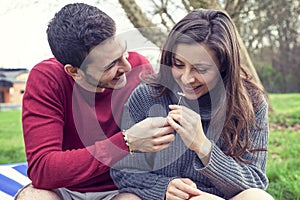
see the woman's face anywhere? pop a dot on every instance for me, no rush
(195, 68)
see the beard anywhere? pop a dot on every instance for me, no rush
(117, 82)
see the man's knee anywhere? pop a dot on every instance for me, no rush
(31, 193)
(125, 196)
(253, 194)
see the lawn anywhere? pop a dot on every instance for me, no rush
(11, 139)
(283, 167)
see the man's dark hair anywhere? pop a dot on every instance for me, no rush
(75, 29)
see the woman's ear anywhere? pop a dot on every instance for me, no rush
(72, 71)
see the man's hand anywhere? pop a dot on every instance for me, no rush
(150, 135)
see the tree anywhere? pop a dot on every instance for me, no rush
(272, 35)
(162, 8)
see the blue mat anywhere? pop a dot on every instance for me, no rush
(12, 178)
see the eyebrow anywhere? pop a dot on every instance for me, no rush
(109, 65)
(195, 64)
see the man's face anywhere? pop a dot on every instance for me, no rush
(105, 66)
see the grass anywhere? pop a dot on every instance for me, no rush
(283, 167)
(11, 139)
(286, 109)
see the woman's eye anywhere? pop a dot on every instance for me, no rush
(201, 71)
(178, 65)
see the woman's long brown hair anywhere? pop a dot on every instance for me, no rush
(216, 29)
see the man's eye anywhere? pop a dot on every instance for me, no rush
(111, 65)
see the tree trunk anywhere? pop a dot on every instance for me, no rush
(141, 21)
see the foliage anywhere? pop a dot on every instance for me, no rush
(274, 26)
(269, 76)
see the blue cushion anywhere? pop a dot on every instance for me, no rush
(12, 178)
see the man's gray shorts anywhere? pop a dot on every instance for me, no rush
(72, 195)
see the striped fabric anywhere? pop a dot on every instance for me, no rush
(12, 178)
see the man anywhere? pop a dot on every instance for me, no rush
(73, 104)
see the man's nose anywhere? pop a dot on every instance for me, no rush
(125, 66)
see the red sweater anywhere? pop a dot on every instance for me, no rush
(71, 135)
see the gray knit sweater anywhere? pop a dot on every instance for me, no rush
(148, 174)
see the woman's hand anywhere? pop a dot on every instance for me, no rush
(188, 124)
(181, 188)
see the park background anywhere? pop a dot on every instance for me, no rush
(269, 36)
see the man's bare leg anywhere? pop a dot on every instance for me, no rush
(31, 193)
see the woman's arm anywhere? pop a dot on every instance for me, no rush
(232, 177)
(137, 174)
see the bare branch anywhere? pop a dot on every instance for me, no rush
(186, 5)
(165, 10)
(140, 20)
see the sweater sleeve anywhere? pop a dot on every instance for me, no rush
(136, 174)
(63, 128)
(43, 128)
(232, 177)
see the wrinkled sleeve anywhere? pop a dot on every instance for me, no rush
(136, 174)
(43, 123)
(232, 177)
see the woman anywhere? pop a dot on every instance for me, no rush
(222, 125)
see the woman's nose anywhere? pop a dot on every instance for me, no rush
(187, 76)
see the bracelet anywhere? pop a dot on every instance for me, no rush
(125, 136)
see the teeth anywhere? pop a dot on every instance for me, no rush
(193, 88)
(189, 89)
